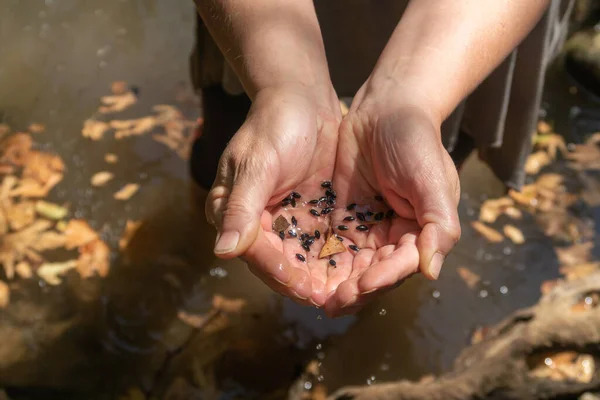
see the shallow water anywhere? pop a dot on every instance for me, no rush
(57, 58)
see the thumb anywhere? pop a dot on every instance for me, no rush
(235, 207)
(436, 209)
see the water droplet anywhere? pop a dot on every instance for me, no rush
(483, 293)
(507, 251)
(503, 289)
(548, 361)
(383, 312)
(371, 380)
(218, 272)
(320, 356)
(319, 346)
(384, 367)
(320, 378)
(588, 300)
(307, 385)
(488, 257)
(436, 294)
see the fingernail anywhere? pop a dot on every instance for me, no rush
(226, 242)
(298, 296)
(435, 266)
(350, 302)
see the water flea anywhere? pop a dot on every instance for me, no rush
(305, 247)
(331, 202)
(326, 184)
(349, 218)
(322, 199)
(285, 202)
(326, 211)
(354, 247)
(303, 236)
(332, 262)
(341, 239)
(293, 203)
(330, 193)
(295, 195)
(309, 241)
(350, 207)
(389, 214)
(300, 257)
(360, 216)
(294, 221)
(314, 201)
(362, 228)
(314, 212)
(379, 198)
(378, 217)
(342, 227)
(292, 233)
(281, 235)
(369, 213)
(318, 234)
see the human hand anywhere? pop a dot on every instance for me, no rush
(391, 148)
(287, 144)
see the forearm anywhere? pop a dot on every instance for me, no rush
(442, 49)
(269, 43)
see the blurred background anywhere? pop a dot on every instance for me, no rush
(109, 289)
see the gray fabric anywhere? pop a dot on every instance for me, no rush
(500, 115)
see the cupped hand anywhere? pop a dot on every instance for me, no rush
(390, 157)
(287, 144)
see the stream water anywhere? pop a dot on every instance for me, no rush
(57, 57)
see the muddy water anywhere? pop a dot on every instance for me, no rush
(57, 58)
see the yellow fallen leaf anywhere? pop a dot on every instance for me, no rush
(94, 259)
(133, 127)
(111, 158)
(468, 276)
(4, 294)
(194, 320)
(537, 161)
(101, 178)
(94, 130)
(526, 197)
(78, 233)
(23, 269)
(514, 234)
(544, 127)
(49, 240)
(20, 215)
(547, 286)
(51, 272)
(131, 228)
(513, 212)
(332, 246)
(127, 191)
(117, 103)
(50, 210)
(344, 108)
(490, 234)
(492, 208)
(228, 305)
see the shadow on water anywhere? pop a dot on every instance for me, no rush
(98, 338)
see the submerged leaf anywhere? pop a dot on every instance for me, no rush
(78, 233)
(490, 234)
(117, 103)
(111, 158)
(514, 234)
(50, 210)
(127, 191)
(94, 130)
(131, 228)
(101, 178)
(94, 259)
(469, 277)
(51, 272)
(228, 305)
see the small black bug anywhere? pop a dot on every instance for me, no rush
(330, 193)
(379, 216)
(342, 227)
(360, 216)
(326, 211)
(305, 247)
(281, 235)
(300, 257)
(389, 214)
(354, 247)
(285, 202)
(326, 184)
(314, 212)
(341, 239)
(362, 228)
(318, 234)
(332, 262)
(314, 201)
(309, 241)
(369, 213)
(350, 207)
(292, 233)
(294, 221)
(295, 195)
(349, 218)
(293, 202)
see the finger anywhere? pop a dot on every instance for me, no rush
(271, 264)
(436, 204)
(237, 208)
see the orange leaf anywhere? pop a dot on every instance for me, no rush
(514, 234)
(127, 191)
(332, 246)
(490, 234)
(469, 277)
(93, 259)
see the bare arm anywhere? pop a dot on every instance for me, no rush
(269, 43)
(442, 49)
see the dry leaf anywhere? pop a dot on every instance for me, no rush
(94, 259)
(166, 113)
(563, 366)
(513, 212)
(544, 128)
(78, 233)
(575, 254)
(94, 130)
(23, 269)
(20, 215)
(119, 87)
(19, 245)
(51, 272)
(42, 166)
(490, 234)
(585, 157)
(117, 103)
(280, 224)
(469, 277)
(111, 158)
(332, 246)
(101, 178)
(133, 127)
(574, 272)
(131, 228)
(50, 210)
(16, 148)
(343, 108)
(526, 197)
(491, 209)
(228, 305)
(36, 128)
(4, 294)
(514, 234)
(127, 191)
(537, 161)
(49, 240)
(194, 320)
(551, 143)
(34, 189)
